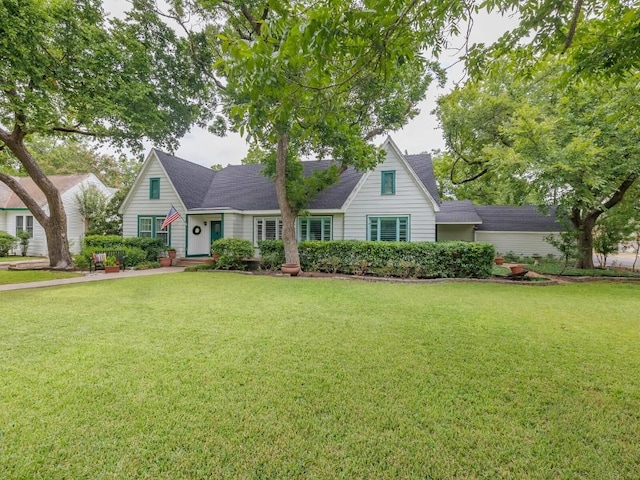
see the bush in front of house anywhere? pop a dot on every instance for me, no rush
(389, 259)
(271, 254)
(152, 247)
(134, 256)
(7, 242)
(232, 251)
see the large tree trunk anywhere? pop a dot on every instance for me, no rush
(54, 224)
(288, 214)
(585, 243)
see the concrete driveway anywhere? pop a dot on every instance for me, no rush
(619, 259)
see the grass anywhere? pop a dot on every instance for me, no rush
(210, 375)
(25, 276)
(18, 258)
(554, 268)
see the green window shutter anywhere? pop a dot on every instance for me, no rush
(388, 182)
(154, 188)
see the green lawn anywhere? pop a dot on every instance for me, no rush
(213, 375)
(17, 258)
(26, 276)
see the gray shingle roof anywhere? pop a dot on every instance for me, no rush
(243, 187)
(458, 211)
(422, 165)
(190, 180)
(526, 218)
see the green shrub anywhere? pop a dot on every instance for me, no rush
(390, 259)
(7, 242)
(153, 248)
(134, 256)
(24, 238)
(271, 254)
(232, 251)
(81, 261)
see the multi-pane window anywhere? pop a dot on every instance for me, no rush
(163, 234)
(24, 222)
(388, 182)
(150, 227)
(154, 188)
(314, 228)
(268, 229)
(389, 229)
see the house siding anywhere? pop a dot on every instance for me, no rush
(37, 244)
(521, 243)
(139, 204)
(455, 232)
(408, 200)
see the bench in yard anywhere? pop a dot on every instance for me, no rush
(97, 260)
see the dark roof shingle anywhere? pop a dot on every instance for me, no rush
(190, 180)
(458, 211)
(525, 218)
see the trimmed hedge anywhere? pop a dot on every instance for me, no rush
(388, 259)
(152, 247)
(135, 256)
(232, 251)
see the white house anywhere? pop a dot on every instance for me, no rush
(397, 201)
(15, 216)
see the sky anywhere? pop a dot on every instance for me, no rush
(421, 134)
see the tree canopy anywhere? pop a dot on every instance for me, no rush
(578, 146)
(68, 71)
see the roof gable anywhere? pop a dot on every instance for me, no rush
(190, 180)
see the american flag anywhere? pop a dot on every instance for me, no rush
(171, 217)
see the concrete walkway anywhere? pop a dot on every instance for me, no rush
(91, 277)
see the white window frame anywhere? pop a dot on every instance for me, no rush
(260, 228)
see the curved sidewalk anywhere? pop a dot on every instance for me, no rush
(91, 277)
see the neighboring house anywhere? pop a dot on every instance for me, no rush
(397, 201)
(15, 216)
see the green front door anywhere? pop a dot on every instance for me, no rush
(216, 230)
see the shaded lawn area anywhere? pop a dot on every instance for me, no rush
(18, 258)
(209, 375)
(25, 276)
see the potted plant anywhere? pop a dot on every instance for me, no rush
(171, 252)
(498, 260)
(165, 261)
(111, 265)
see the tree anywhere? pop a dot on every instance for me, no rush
(601, 36)
(317, 79)
(67, 71)
(92, 204)
(579, 144)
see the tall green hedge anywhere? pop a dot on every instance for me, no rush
(153, 247)
(388, 259)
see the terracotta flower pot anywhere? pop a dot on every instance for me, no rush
(111, 268)
(171, 254)
(165, 262)
(517, 269)
(498, 260)
(292, 269)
